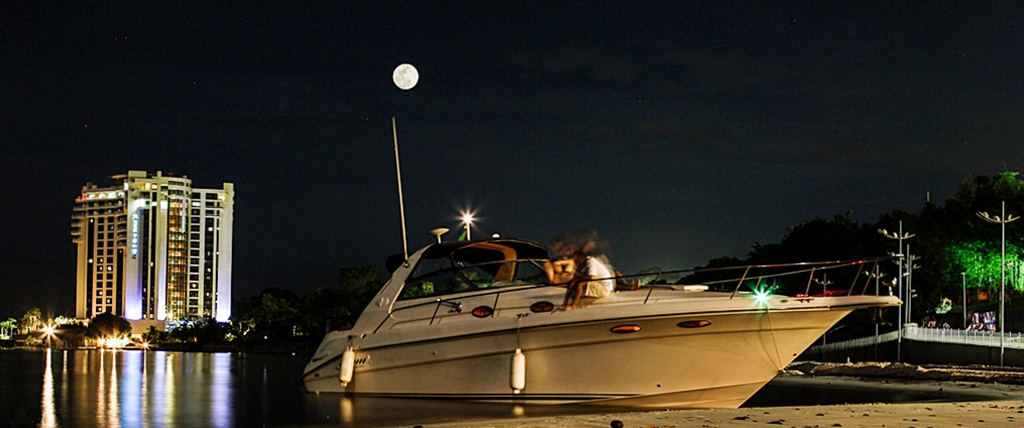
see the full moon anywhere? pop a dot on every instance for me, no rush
(406, 76)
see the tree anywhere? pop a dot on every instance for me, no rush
(271, 315)
(7, 328)
(32, 320)
(203, 331)
(358, 286)
(107, 325)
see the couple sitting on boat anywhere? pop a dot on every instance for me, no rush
(584, 269)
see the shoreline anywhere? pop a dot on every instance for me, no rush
(936, 403)
(966, 414)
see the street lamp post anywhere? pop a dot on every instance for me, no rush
(467, 219)
(909, 273)
(877, 277)
(1001, 220)
(824, 283)
(963, 276)
(900, 236)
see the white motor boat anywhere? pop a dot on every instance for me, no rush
(478, 320)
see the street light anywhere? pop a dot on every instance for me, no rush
(877, 276)
(467, 219)
(963, 276)
(48, 332)
(900, 236)
(824, 283)
(908, 268)
(1001, 220)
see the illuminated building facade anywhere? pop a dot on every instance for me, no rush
(151, 247)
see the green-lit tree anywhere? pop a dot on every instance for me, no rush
(980, 261)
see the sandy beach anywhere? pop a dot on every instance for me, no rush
(970, 414)
(923, 397)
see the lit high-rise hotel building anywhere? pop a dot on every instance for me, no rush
(151, 247)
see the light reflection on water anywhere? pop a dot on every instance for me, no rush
(71, 388)
(120, 388)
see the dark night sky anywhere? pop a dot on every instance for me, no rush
(682, 131)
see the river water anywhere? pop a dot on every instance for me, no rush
(72, 388)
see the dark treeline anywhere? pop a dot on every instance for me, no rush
(951, 243)
(280, 315)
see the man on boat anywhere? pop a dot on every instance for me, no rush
(586, 273)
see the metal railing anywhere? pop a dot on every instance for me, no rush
(967, 337)
(855, 343)
(943, 335)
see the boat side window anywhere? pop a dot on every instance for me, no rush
(529, 272)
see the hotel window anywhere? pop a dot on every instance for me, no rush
(110, 252)
(109, 301)
(99, 310)
(99, 292)
(110, 292)
(110, 275)
(110, 310)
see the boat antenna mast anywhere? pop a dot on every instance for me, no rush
(401, 203)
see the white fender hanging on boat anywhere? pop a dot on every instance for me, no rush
(517, 380)
(348, 364)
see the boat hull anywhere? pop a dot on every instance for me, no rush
(691, 360)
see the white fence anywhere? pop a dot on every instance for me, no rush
(945, 335)
(972, 337)
(855, 343)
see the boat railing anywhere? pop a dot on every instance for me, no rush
(759, 275)
(760, 279)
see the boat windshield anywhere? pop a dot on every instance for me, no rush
(456, 267)
(459, 278)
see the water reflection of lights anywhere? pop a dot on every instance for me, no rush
(220, 390)
(49, 418)
(107, 399)
(113, 410)
(132, 387)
